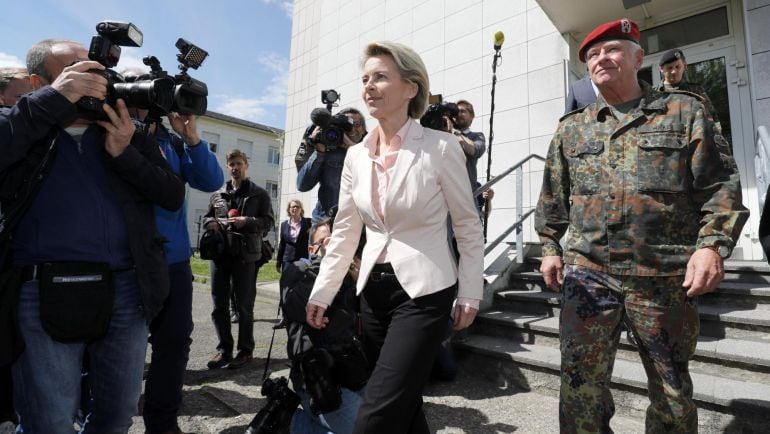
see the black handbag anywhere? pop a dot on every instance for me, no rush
(212, 245)
(76, 300)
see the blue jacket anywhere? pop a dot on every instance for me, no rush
(199, 168)
(324, 169)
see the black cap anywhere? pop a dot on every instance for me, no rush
(671, 56)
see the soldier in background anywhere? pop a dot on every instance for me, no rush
(673, 66)
(653, 208)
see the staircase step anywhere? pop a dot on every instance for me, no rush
(718, 319)
(727, 395)
(751, 354)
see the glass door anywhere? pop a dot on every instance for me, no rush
(719, 73)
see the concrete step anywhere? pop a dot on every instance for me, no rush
(744, 355)
(720, 320)
(723, 403)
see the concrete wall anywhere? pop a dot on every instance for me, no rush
(454, 39)
(757, 19)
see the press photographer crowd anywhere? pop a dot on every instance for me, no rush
(95, 250)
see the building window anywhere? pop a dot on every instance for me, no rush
(213, 140)
(273, 156)
(272, 188)
(246, 147)
(696, 28)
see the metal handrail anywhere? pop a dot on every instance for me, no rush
(762, 163)
(499, 177)
(507, 232)
(521, 217)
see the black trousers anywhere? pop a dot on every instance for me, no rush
(241, 279)
(401, 338)
(170, 335)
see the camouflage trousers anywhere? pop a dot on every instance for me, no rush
(666, 328)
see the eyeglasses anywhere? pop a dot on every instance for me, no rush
(294, 207)
(357, 124)
(320, 242)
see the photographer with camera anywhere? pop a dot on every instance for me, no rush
(242, 213)
(328, 366)
(324, 166)
(81, 257)
(14, 82)
(189, 157)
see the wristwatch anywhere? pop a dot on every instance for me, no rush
(722, 251)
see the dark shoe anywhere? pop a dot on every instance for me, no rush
(219, 360)
(240, 360)
(234, 318)
(175, 430)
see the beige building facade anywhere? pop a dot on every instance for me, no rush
(261, 143)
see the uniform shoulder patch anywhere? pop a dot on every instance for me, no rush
(685, 92)
(573, 112)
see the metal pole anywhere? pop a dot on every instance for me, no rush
(495, 60)
(519, 213)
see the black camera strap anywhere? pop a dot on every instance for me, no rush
(272, 338)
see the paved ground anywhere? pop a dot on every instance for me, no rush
(225, 401)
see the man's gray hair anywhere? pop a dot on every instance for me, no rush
(350, 110)
(8, 74)
(38, 55)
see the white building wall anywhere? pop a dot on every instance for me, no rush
(231, 136)
(757, 19)
(454, 39)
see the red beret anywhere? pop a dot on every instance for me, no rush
(619, 29)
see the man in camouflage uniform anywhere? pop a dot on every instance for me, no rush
(652, 208)
(673, 66)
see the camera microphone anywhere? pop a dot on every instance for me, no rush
(233, 213)
(499, 39)
(320, 116)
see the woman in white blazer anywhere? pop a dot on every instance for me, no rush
(400, 183)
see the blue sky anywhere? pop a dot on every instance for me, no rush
(248, 43)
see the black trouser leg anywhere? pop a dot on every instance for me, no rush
(403, 336)
(220, 296)
(170, 335)
(245, 289)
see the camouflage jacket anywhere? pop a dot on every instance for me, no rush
(697, 89)
(640, 193)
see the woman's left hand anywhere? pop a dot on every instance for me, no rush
(464, 316)
(315, 316)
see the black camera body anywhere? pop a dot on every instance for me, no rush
(325, 393)
(157, 91)
(434, 115)
(276, 415)
(332, 127)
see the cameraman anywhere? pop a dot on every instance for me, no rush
(474, 144)
(325, 167)
(83, 193)
(296, 283)
(189, 157)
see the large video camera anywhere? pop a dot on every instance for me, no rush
(332, 126)
(437, 113)
(277, 413)
(157, 91)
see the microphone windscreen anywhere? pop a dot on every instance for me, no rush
(499, 38)
(320, 116)
(233, 213)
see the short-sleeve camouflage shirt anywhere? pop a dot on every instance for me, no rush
(638, 192)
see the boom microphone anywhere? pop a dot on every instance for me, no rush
(499, 39)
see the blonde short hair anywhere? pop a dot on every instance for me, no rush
(411, 68)
(301, 208)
